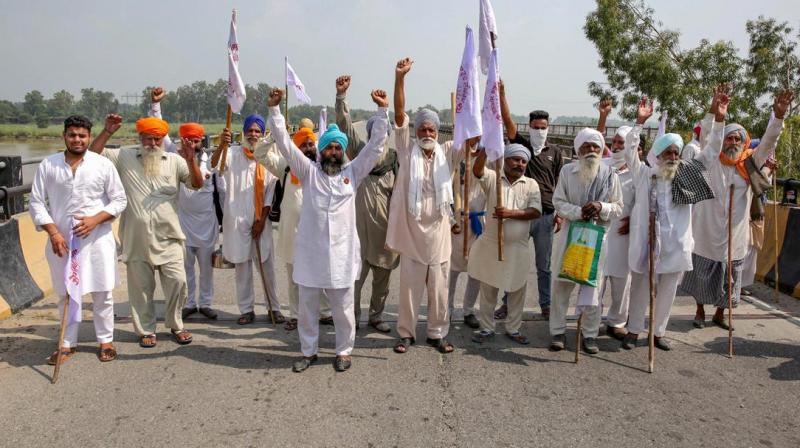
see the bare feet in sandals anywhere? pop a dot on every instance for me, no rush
(66, 353)
(106, 352)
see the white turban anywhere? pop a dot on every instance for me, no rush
(517, 150)
(588, 135)
(622, 131)
(426, 115)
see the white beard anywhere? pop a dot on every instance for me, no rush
(668, 170)
(588, 164)
(733, 151)
(427, 143)
(151, 159)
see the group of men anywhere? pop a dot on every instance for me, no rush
(352, 206)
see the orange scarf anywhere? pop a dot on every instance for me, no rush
(295, 179)
(739, 161)
(261, 175)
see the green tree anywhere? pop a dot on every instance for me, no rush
(34, 103)
(61, 105)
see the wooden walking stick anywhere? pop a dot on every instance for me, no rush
(775, 225)
(730, 274)
(257, 242)
(223, 145)
(578, 337)
(651, 256)
(61, 340)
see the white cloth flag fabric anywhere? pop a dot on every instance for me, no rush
(662, 125)
(468, 115)
(323, 121)
(491, 120)
(236, 91)
(487, 27)
(72, 278)
(294, 81)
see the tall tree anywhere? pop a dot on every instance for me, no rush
(61, 105)
(34, 103)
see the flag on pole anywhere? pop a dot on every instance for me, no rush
(323, 121)
(72, 278)
(486, 27)
(662, 125)
(294, 81)
(468, 116)
(236, 91)
(491, 119)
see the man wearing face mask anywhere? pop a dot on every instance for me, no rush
(249, 190)
(668, 187)
(149, 228)
(735, 165)
(587, 189)
(419, 219)
(544, 167)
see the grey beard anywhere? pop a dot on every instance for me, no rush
(668, 170)
(151, 159)
(589, 165)
(733, 151)
(331, 167)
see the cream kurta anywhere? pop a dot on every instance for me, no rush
(149, 227)
(511, 273)
(292, 202)
(58, 195)
(239, 209)
(709, 220)
(477, 203)
(196, 210)
(327, 250)
(426, 241)
(568, 198)
(617, 254)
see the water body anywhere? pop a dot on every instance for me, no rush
(29, 149)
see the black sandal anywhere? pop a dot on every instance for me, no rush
(441, 345)
(403, 344)
(246, 318)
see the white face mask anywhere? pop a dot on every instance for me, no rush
(618, 159)
(538, 139)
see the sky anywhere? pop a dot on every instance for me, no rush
(546, 61)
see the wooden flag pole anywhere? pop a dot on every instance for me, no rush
(730, 274)
(286, 91)
(775, 225)
(465, 223)
(61, 340)
(223, 145)
(498, 190)
(578, 338)
(263, 279)
(651, 255)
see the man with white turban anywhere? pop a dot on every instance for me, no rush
(587, 189)
(327, 256)
(668, 188)
(419, 219)
(522, 202)
(734, 165)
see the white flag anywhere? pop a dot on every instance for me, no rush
(294, 81)
(662, 125)
(468, 115)
(72, 278)
(236, 91)
(486, 27)
(491, 119)
(323, 121)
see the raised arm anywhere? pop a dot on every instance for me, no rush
(343, 120)
(508, 120)
(605, 110)
(400, 71)
(769, 140)
(266, 153)
(156, 95)
(297, 161)
(709, 156)
(372, 151)
(112, 125)
(643, 113)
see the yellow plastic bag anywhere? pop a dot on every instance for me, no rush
(582, 253)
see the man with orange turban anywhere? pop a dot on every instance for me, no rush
(150, 231)
(197, 216)
(250, 188)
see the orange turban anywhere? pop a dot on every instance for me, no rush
(152, 126)
(191, 130)
(302, 135)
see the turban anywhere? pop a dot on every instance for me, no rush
(517, 150)
(306, 123)
(152, 126)
(697, 128)
(665, 141)
(588, 135)
(735, 127)
(754, 143)
(622, 131)
(426, 115)
(302, 135)
(332, 134)
(191, 130)
(257, 119)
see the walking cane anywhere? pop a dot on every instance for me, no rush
(730, 274)
(578, 338)
(61, 340)
(651, 352)
(263, 279)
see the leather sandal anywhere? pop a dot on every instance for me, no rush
(66, 353)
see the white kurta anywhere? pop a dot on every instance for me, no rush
(617, 253)
(675, 221)
(327, 252)
(710, 218)
(477, 203)
(196, 210)
(57, 196)
(239, 210)
(292, 202)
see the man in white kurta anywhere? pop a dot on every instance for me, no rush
(80, 191)
(522, 202)
(419, 220)
(707, 282)
(242, 220)
(616, 276)
(587, 189)
(327, 253)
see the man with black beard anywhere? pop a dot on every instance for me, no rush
(327, 255)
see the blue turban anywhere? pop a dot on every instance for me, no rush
(332, 134)
(754, 143)
(517, 150)
(665, 141)
(426, 115)
(257, 119)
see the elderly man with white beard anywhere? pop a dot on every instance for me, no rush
(149, 228)
(668, 187)
(587, 189)
(733, 166)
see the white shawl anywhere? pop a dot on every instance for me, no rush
(441, 180)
